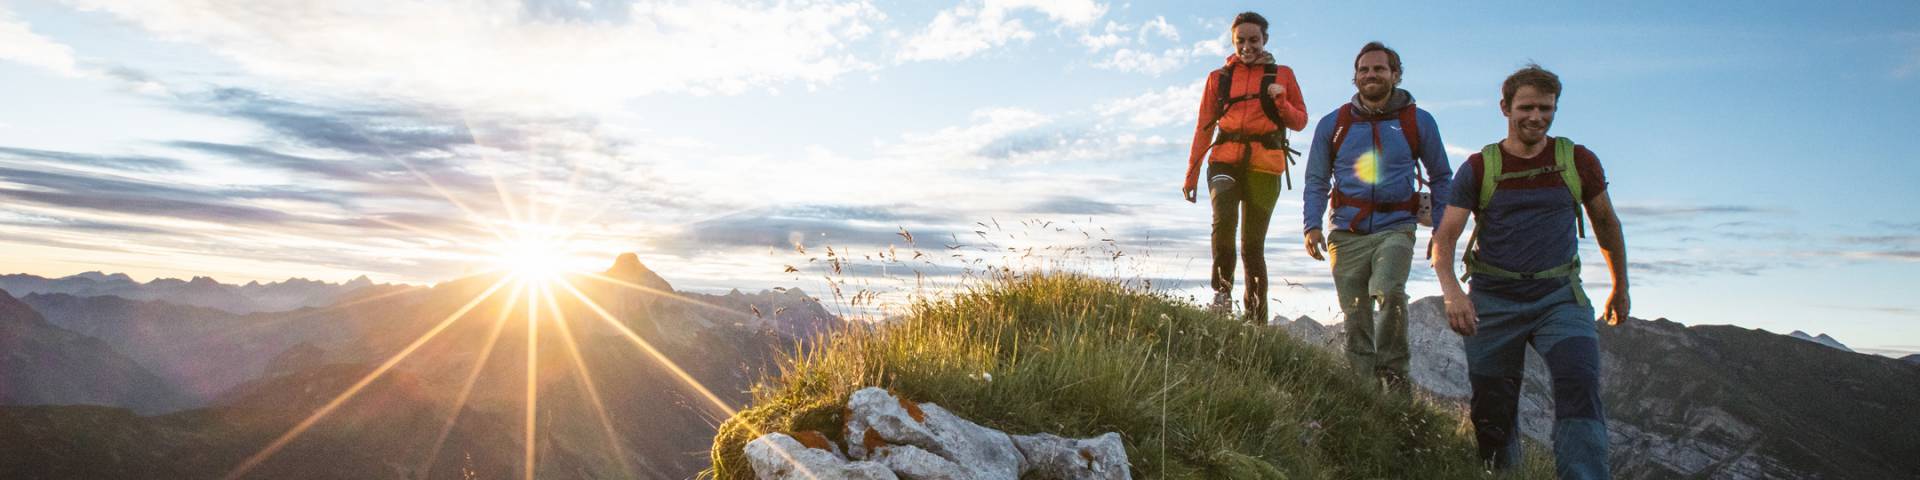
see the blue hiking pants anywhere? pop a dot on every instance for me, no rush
(1562, 329)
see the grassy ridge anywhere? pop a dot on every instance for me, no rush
(1193, 394)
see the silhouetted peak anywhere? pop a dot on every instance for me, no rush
(203, 281)
(13, 310)
(626, 263)
(627, 267)
(360, 281)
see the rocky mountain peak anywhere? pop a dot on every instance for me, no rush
(1822, 339)
(13, 310)
(627, 267)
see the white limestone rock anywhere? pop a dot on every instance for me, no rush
(1051, 456)
(777, 456)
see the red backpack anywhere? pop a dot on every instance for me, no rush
(1420, 203)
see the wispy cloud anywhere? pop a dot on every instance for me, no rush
(107, 194)
(1909, 65)
(18, 43)
(137, 163)
(1072, 205)
(366, 132)
(1155, 62)
(967, 30)
(507, 55)
(1690, 212)
(1154, 109)
(808, 226)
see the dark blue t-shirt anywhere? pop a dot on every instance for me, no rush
(1529, 225)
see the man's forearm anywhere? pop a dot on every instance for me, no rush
(1443, 263)
(1613, 247)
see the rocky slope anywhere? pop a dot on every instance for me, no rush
(43, 364)
(1708, 401)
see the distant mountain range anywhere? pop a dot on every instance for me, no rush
(1823, 339)
(1707, 401)
(200, 291)
(235, 382)
(41, 363)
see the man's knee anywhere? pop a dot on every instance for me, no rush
(1356, 306)
(1495, 407)
(1390, 299)
(1575, 364)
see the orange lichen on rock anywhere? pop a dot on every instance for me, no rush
(814, 440)
(872, 440)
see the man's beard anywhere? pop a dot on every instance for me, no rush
(1375, 97)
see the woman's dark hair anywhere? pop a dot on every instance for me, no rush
(1253, 18)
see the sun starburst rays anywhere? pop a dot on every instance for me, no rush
(585, 375)
(530, 250)
(533, 382)
(466, 387)
(302, 427)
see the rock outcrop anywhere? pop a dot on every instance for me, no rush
(926, 442)
(1705, 401)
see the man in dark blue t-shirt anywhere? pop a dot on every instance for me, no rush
(1526, 194)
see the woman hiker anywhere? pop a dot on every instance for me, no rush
(1250, 103)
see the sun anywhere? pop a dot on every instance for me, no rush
(531, 253)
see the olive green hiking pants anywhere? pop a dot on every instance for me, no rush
(1370, 274)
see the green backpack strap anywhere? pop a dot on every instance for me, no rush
(1563, 158)
(1490, 176)
(1490, 166)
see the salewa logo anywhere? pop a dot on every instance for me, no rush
(1395, 127)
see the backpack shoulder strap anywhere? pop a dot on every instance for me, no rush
(1490, 163)
(1222, 91)
(1268, 102)
(1410, 125)
(1563, 157)
(1342, 121)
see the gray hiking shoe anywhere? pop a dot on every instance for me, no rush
(1222, 303)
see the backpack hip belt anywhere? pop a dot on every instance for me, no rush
(1368, 208)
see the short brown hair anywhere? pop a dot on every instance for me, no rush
(1531, 75)
(1253, 18)
(1393, 57)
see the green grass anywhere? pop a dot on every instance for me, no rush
(1193, 394)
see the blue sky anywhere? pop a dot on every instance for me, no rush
(1755, 152)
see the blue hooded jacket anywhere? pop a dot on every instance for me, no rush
(1382, 174)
